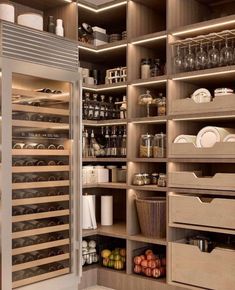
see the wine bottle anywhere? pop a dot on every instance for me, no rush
(40, 163)
(16, 260)
(51, 163)
(18, 146)
(40, 146)
(60, 162)
(16, 244)
(51, 178)
(51, 147)
(60, 147)
(30, 146)
(41, 179)
(28, 258)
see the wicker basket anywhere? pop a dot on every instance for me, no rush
(152, 216)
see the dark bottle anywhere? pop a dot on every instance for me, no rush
(60, 147)
(51, 178)
(96, 107)
(59, 236)
(59, 267)
(116, 114)
(113, 142)
(27, 242)
(111, 108)
(59, 252)
(123, 144)
(28, 258)
(60, 162)
(85, 106)
(28, 210)
(17, 211)
(51, 238)
(156, 68)
(52, 147)
(36, 117)
(52, 253)
(40, 146)
(52, 268)
(17, 260)
(40, 163)
(51, 163)
(29, 146)
(40, 179)
(119, 142)
(108, 143)
(30, 162)
(103, 106)
(51, 24)
(18, 163)
(16, 244)
(39, 256)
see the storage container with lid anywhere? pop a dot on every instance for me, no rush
(146, 146)
(159, 146)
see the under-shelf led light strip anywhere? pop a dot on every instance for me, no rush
(104, 89)
(203, 75)
(98, 50)
(203, 27)
(149, 39)
(98, 10)
(149, 82)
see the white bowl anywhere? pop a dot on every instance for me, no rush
(32, 20)
(7, 12)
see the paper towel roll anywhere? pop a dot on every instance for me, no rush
(185, 139)
(208, 136)
(106, 210)
(88, 212)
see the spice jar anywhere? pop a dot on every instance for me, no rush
(162, 180)
(161, 109)
(159, 146)
(146, 178)
(154, 178)
(138, 179)
(146, 146)
(145, 68)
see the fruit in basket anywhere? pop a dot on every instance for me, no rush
(118, 265)
(159, 272)
(111, 257)
(142, 257)
(137, 260)
(84, 244)
(105, 262)
(117, 257)
(150, 256)
(148, 272)
(95, 258)
(111, 264)
(122, 252)
(148, 252)
(116, 251)
(105, 253)
(143, 270)
(158, 262)
(123, 259)
(137, 269)
(152, 264)
(144, 263)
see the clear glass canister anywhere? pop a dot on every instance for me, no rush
(138, 179)
(154, 178)
(159, 146)
(162, 180)
(146, 146)
(146, 178)
(161, 109)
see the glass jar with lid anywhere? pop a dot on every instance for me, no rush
(161, 109)
(162, 180)
(159, 146)
(154, 178)
(145, 68)
(138, 179)
(146, 178)
(146, 146)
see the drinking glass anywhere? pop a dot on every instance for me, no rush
(201, 58)
(213, 56)
(178, 59)
(226, 54)
(189, 60)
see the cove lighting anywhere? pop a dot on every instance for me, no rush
(149, 39)
(95, 89)
(203, 118)
(149, 83)
(203, 75)
(149, 121)
(98, 50)
(98, 10)
(104, 124)
(204, 27)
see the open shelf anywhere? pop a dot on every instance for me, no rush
(106, 185)
(149, 188)
(117, 230)
(100, 123)
(38, 247)
(142, 238)
(118, 87)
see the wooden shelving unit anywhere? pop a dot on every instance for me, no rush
(152, 27)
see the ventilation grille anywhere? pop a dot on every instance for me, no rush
(27, 44)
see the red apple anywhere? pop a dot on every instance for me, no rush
(137, 269)
(144, 263)
(148, 272)
(137, 260)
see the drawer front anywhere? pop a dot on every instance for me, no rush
(215, 270)
(192, 210)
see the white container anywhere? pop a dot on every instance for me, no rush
(32, 20)
(102, 174)
(7, 12)
(89, 81)
(88, 212)
(99, 29)
(90, 174)
(59, 30)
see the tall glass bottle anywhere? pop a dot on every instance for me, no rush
(102, 107)
(123, 144)
(85, 106)
(113, 141)
(85, 144)
(96, 107)
(108, 141)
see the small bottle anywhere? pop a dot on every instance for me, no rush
(123, 108)
(92, 144)
(85, 144)
(113, 142)
(51, 25)
(108, 145)
(96, 107)
(123, 144)
(102, 107)
(59, 30)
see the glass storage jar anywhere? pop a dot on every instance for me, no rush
(145, 68)
(146, 146)
(138, 179)
(161, 109)
(162, 180)
(154, 178)
(146, 178)
(159, 146)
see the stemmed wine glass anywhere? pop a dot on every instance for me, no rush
(213, 56)
(178, 59)
(226, 54)
(189, 60)
(201, 58)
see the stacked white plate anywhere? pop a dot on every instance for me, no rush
(32, 20)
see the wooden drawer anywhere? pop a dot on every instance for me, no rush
(187, 179)
(189, 150)
(192, 210)
(215, 270)
(188, 106)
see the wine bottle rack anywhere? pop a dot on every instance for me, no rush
(39, 212)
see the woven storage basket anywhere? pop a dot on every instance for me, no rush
(152, 216)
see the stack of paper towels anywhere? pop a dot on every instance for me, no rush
(208, 136)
